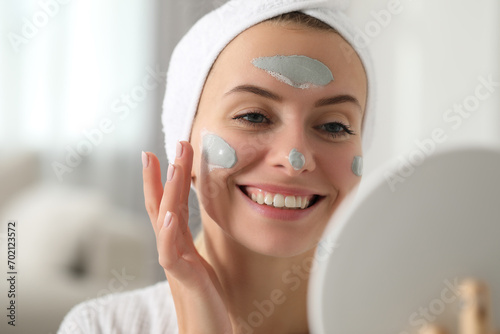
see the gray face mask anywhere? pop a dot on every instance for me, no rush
(296, 159)
(217, 152)
(296, 71)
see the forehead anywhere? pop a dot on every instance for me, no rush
(268, 39)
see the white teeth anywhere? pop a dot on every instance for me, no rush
(290, 201)
(268, 199)
(260, 198)
(279, 201)
(305, 203)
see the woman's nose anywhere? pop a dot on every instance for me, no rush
(292, 152)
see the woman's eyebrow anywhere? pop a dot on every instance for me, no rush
(255, 90)
(338, 99)
(270, 95)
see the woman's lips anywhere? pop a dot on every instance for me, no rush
(280, 207)
(285, 200)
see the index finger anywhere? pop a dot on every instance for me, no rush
(176, 192)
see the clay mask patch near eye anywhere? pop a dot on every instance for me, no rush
(217, 152)
(357, 166)
(296, 71)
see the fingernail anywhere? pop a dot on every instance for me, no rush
(145, 160)
(168, 219)
(178, 151)
(170, 172)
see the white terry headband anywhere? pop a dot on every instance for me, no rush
(195, 54)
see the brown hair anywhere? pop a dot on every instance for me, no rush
(301, 19)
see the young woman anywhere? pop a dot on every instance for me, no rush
(260, 114)
(269, 100)
(266, 110)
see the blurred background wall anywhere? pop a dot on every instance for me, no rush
(81, 87)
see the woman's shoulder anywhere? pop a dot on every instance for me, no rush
(146, 310)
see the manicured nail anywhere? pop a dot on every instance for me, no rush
(170, 172)
(145, 160)
(178, 150)
(168, 219)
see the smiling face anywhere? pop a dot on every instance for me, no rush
(263, 119)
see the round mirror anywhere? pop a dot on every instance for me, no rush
(412, 235)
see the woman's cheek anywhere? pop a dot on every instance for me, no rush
(344, 169)
(222, 156)
(218, 159)
(357, 165)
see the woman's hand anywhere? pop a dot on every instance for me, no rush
(475, 311)
(195, 288)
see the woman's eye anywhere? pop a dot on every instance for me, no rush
(336, 129)
(252, 118)
(333, 127)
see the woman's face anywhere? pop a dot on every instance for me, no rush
(263, 119)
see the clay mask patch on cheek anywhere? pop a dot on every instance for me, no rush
(296, 71)
(217, 152)
(357, 166)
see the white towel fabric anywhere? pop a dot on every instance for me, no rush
(199, 48)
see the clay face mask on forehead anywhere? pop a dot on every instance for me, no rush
(296, 71)
(217, 152)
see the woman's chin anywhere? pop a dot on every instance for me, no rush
(275, 243)
(269, 231)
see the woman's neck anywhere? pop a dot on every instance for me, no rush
(264, 294)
